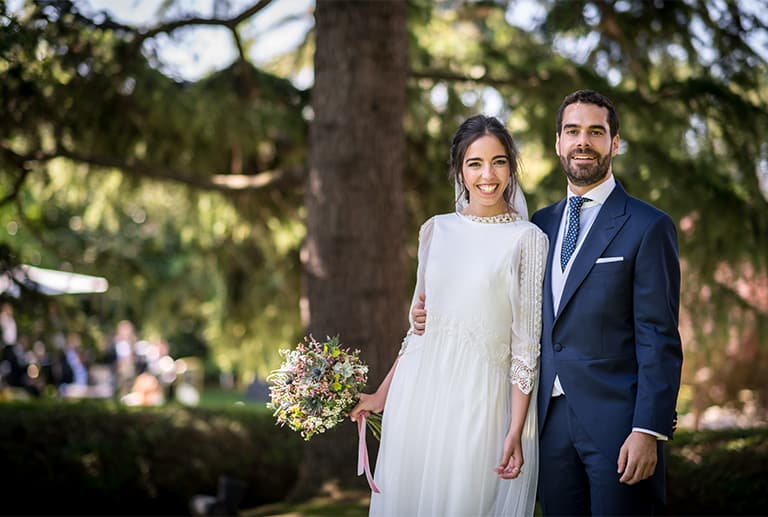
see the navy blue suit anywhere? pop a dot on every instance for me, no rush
(614, 342)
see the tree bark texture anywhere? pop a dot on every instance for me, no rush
(354, 259)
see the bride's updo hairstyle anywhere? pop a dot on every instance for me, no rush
(469, 131)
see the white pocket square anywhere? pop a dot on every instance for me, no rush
(603, 260)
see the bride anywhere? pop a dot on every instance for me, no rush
(459, 429)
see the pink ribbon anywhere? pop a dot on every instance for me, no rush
(362, 455)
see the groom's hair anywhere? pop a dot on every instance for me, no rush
(590, 97)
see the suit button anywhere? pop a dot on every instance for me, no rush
(558, 347)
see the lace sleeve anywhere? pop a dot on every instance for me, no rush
(425, 239)
(526, 300)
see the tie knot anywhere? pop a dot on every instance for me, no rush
(577, 201)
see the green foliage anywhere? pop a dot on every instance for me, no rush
(118, 160)
(93, 458)
(693, 116)
(718, 473)
(107, 165)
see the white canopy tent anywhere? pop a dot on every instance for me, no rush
(50, 281)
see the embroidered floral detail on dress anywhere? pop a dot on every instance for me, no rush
(494, 346)
(506, 217)
(521, 374)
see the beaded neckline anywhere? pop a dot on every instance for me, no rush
(494, 219)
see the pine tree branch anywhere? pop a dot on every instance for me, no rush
(20, 162)
(516, 77)
(230, 23)
(16, 188)
(239, 44)
(262, 180)
(445, 75)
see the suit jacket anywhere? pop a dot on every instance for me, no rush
(614, 341)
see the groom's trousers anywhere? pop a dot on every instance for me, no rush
(576, 478)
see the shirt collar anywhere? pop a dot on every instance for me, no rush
(600, 193)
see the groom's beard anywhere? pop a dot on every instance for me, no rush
(583, 175)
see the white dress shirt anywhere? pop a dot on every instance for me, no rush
(589, 210)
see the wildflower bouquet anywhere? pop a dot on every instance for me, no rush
(317, 385)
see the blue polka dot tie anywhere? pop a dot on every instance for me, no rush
(572, 232)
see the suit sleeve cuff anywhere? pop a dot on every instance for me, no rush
(658, 436)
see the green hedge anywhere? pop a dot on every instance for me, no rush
(718, 473)
(95, 458)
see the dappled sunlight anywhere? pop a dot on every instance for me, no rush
(332, 501)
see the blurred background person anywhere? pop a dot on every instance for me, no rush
(8, 324)
(14, 368)
(74, 367)
(121, 357)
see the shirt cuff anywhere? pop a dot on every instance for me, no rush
(658, 436)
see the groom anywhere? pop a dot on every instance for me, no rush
(610, 349)
(610, 353)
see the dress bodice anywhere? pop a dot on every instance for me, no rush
(483, 283)
(469, 269)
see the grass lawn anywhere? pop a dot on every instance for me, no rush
(340, 504)
(335, 503)
(212, 397)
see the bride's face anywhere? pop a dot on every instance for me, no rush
(485, 171)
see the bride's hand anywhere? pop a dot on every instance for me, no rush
(366, 405)
(511, 464)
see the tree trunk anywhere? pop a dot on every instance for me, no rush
(354, 258)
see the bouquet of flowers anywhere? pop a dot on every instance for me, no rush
(317, 385)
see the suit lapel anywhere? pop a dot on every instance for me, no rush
(609, 221)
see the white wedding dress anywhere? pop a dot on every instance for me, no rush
(448, 407)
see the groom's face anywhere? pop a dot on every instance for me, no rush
(584, 145)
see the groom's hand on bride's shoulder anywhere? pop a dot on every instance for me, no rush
(419, 315)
